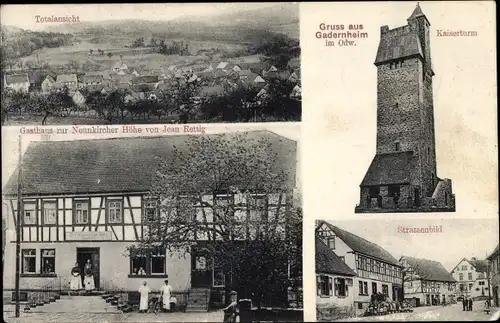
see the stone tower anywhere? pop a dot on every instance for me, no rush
(402, 176)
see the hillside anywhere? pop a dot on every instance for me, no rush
(248, 26)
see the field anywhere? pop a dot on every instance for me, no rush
(136, 58)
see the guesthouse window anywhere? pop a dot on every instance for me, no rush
(147, 262)
(81, 209)
(224, 206)
(460, 276)
(469, 276)
(114, 211)
(48, 261)
(394, 190)
(49, 212)
(158, 263)
(29, 216)
(258, 207)
(324, 285)
(29, 261)
(151, 210)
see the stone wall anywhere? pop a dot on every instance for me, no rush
(332, 312)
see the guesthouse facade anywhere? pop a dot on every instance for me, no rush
(88, 200)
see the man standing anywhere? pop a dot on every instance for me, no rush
(464, 303)
(144, 290)
(470, 303)
(166, 292)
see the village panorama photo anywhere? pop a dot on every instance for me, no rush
(205, 227)
(150, 63)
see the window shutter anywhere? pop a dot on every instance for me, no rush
(330, 279)
(318, 285)
(346, 290)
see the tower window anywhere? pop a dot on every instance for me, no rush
(397, 146)
(396, 105)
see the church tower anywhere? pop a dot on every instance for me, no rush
(402, 176)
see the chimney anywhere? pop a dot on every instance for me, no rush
(473, 259)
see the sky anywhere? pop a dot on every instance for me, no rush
(23, 16)
(460, 238)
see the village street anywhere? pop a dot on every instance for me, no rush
(432, 313)
(94, 309)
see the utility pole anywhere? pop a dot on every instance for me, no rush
(488, 276)
(18, 229)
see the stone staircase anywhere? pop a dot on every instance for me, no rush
(77, 304)
(198, 300)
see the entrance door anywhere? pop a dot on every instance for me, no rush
(201, 269)
(417, 196)
(92, 254)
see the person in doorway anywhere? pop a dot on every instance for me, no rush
(76, 278)
(396, 200)
(166, 293)
(230, 311)
(144, 291)
(88, 281)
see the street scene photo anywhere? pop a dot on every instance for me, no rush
(174, 228)
(413, 270)
(150, 63)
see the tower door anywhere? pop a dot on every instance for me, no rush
(417, 196)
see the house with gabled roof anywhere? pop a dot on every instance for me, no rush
(78, 98)
(296, 92)
(47, 84)
(88, 200)
(472, 277)
(494, 269)
(119, 66)
(376, 269)
(295, 76)
(87, 80)
(427, 282)
(334, 279)
(67, 80)
(17, 82)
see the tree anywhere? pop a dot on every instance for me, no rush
(53, 103)
(109, 55)
(252, 231)
(91, 51)
(112, 105)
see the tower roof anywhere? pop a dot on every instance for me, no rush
(418, 13)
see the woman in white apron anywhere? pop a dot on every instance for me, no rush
(144, 291)
(166, 293)
(89, 277)
(76, 278)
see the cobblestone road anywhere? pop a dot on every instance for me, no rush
(434, 313)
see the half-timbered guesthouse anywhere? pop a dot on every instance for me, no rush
(148, 208)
